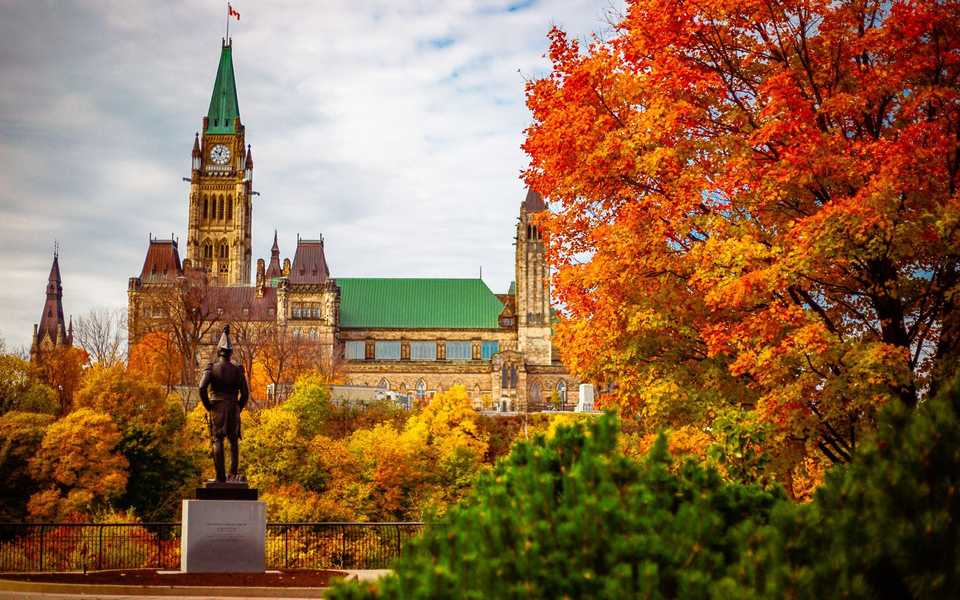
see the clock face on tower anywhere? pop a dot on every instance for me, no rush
(220, 154)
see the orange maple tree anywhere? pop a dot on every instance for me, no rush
(155, 356)
(756, 203)
(61, 368)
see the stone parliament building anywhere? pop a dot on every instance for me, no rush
(414, 336)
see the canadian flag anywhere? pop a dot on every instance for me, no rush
(231, 12)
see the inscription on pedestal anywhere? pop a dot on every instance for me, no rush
(223, 536)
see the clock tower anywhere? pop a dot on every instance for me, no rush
(221, 184)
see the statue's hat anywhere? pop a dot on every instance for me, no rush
(225, 345)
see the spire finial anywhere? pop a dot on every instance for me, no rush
(56, 249)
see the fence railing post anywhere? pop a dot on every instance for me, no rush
(100, 548)
(286, 547)
(41, 546)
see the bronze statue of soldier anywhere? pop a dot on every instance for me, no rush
(230, 393)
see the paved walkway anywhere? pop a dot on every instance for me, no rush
(39, 596)
(169, 593)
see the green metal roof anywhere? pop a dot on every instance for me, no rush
(381, 303)
(224, 107)
(513, 288)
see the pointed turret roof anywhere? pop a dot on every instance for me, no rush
(309, 262)
(162, 261)
(534, 202)
(52, 324)
(224, 107)
(274, 269)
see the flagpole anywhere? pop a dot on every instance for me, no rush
(228, 23)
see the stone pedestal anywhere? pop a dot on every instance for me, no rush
(226, 490)
(220, 536)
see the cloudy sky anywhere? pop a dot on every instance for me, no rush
(391, 128)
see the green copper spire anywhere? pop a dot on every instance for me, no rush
(223, 103)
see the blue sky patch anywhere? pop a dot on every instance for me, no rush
(441, 42)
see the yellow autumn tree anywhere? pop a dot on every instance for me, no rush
(449, 424)
(78, 465)
(273, 450)
(394, 466)
(126, 397)
(21, 434)
(448, 434)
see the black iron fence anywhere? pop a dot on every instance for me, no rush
(94, 546)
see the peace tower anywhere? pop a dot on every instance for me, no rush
(221, 180)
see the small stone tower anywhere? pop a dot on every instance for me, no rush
(532, 286)
(52, 330)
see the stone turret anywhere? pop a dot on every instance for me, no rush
(532, 285)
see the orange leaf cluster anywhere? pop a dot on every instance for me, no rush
(757, 203)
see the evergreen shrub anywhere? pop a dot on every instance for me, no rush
(570, 516)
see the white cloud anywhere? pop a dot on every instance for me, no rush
(392, 128)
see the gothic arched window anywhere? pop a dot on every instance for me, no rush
(534, 398)
(220, 209)
(384, 384)
(513, 378)
(562, 392)
(229, 208)
(421, 390)
(206, 203)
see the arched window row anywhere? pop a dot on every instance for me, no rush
(217, 208)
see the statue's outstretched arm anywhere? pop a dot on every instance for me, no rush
(204, 383)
